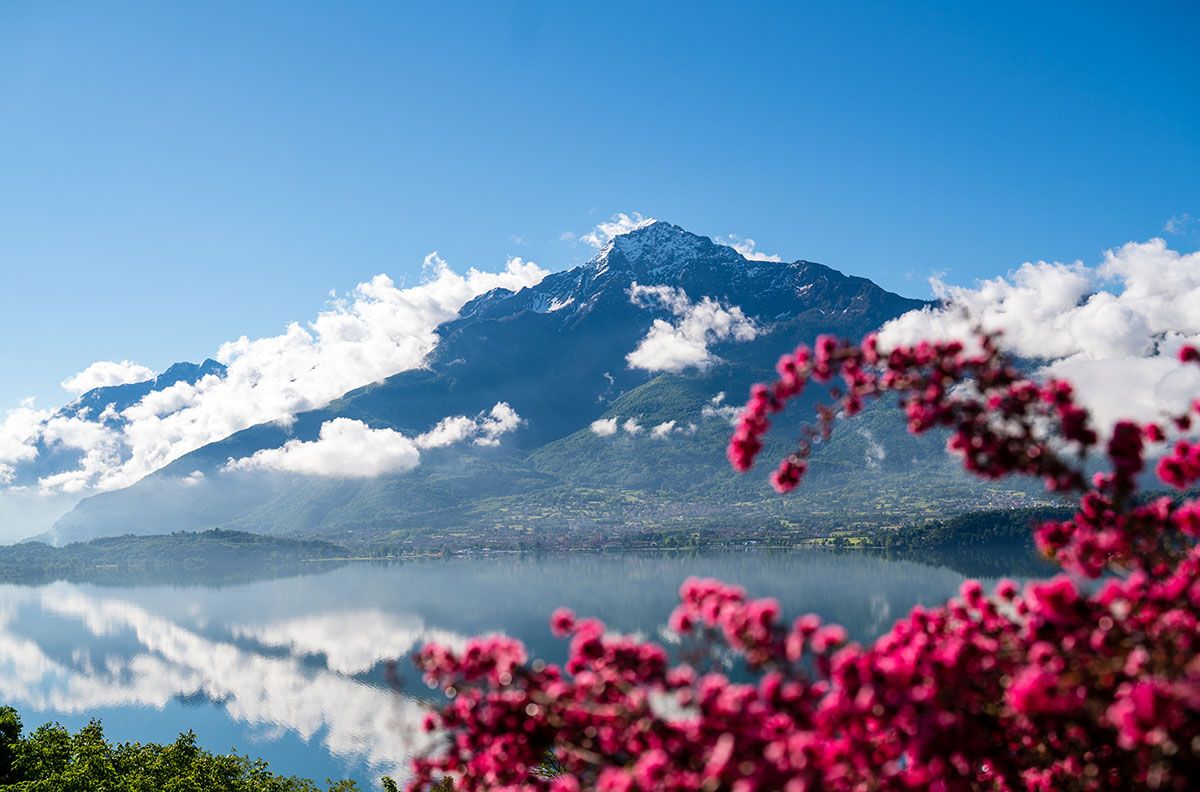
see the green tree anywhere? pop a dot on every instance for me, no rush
(51, 759)
(10, 734)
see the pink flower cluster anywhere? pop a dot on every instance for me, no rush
(1000, 424)
(1045, 688)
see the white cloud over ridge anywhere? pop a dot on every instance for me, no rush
(104, 373)
(615, 226)
(347, 448)
(675, 347)
(746, 247)
(1113, 329)
(379, 330)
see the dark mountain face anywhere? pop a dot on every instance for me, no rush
(556, 353)
(665, 254)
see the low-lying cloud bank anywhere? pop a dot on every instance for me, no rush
(604, 427)
(346, 448)
(715, 408)
(675, 347)
(1113, 329)
(378, 330)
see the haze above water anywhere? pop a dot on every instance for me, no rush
(293, 669)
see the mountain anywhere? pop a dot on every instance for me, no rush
(557, 353)
(119, 397)
(103, 406)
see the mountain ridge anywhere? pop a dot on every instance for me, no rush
(104, 405)
(129, 394)
(557, 353)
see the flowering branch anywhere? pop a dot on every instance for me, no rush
(1000, 424)
(1046, 688)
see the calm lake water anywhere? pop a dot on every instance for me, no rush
(293, 669)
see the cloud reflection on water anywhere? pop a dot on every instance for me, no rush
(290, 667)
(354, 720)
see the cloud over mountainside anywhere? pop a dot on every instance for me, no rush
(347, 448)
(104, 373)
(1112, 329)
(18, 438)
(683, 344)
(378, 330)
(746, 247)
(604, 427)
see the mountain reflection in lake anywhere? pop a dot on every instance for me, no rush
(293, 669)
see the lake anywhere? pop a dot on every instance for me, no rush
(294, 669)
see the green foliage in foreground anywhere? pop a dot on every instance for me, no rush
(51, 759)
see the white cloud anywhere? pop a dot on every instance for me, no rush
(447, 432)
(1180, 225)
(379, 330)
(100, 444)
(19, 435)
(684, 344)
(346, 448)
(501, 420)
(104, 373)
(717, 408)
(483, 430)
(663, 429)
(608, 427)
(875, 452)
(1113, 328)
(746, 248)
(604, 427)
(616, 225)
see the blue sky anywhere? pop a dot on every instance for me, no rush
(173, 175)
